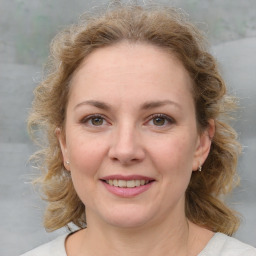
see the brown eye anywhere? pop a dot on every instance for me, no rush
(159, 121)
(96, 121)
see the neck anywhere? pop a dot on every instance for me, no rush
(169, 237)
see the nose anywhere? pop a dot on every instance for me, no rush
(126, 146)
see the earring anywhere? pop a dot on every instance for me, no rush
(67, 162)
(200, 166)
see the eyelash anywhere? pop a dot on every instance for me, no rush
(89, 118)
(167, 118)
(150, 118)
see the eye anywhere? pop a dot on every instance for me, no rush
(94, 120)
(97, 121)
(160, 120)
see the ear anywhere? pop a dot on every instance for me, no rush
(204, 145)
(62, 141)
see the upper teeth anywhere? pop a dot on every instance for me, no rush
(127, 183)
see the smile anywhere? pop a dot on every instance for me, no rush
(127, 183)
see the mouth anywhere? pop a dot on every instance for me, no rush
(127, 183)
(127, 186)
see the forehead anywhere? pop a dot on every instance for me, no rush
(127, 54)
(130, 69)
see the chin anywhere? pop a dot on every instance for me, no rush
(128, 218)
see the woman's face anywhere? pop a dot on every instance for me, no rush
(131, 136)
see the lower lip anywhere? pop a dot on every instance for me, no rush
(127, 192)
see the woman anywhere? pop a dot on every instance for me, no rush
(138, 151)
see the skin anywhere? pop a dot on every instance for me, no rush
(130, 138)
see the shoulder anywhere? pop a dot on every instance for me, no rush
(56, 247)
(224, 245)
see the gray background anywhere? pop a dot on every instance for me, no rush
(26, 28)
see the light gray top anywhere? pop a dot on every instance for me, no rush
(219, 245)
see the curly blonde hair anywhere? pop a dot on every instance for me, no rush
(168, 29)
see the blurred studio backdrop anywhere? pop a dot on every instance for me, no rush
(26, 29)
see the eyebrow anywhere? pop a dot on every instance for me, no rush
(156, 104)
(144, 106)
(95, 103)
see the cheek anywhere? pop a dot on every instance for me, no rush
(85, 155)
(173, 161)
(174, 156)
(85, 163)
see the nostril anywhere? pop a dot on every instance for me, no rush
(126, 154)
